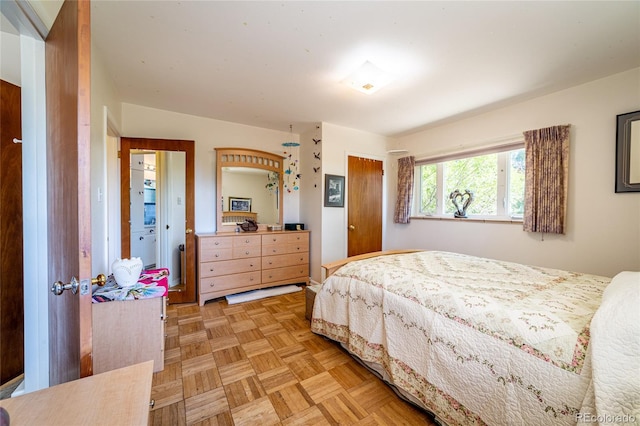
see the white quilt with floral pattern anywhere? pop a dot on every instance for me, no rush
(476, 341)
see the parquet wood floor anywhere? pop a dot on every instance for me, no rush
(259, 363)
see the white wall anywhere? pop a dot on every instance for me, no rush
(105, 107)
(139, 121)
(603, 229)
(10, 63)
(311, 195)
(337, 144)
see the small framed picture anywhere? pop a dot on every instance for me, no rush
(333, 191)
(239, 204)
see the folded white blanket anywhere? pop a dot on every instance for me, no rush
(614, 392)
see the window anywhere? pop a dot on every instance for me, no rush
(496, 178)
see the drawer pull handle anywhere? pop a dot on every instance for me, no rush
(212, 285)
(251, 279)
(274, 250)
(246, 252)
(211, 269)
(270, 263)
(217, 243)
(246, 241)
(217, 255)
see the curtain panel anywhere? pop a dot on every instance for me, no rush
(546, 179)
(406, 167)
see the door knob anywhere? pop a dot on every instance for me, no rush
(100, 279)
(188, 231)
(352, 228)
(59, 287)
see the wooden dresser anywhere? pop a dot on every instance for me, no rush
(231, 263)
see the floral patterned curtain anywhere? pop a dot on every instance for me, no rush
(546, 179)
(406, 167)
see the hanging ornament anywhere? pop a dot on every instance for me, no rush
(291, 173)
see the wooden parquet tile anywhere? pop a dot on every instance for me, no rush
(259, 363)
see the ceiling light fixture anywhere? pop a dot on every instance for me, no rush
(368, 79)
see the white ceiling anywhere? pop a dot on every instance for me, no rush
(271, 64)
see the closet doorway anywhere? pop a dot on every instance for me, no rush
(11, 261)
(364, 205)
(157, 209)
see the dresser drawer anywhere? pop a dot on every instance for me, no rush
(275, 249)
(246, 240)
(286, 238)
(226, 267)
(246, 251)
(286, 273)
(215, 248)
(281, 260)
(228, 282)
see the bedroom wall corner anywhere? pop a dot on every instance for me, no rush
(603, 231)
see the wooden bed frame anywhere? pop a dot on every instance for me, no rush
(331, 267)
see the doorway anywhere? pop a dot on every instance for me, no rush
(364, 205)
(157, 209)
(11, 262)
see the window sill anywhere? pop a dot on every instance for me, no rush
(468, 219)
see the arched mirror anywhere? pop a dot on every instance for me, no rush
(249, 186)
(157, 209)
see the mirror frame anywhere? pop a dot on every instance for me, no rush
(623, 152)
(243, 157)
(188, 147)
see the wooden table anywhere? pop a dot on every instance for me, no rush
(118, 397)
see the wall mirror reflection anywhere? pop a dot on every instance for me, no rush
(628, 152)
(249, 186)
(157, 209)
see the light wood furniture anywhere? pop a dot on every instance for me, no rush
(119, 397)
(127, 332)
(331, 267)
(234, 217)
(231, 263)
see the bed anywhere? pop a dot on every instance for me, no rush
(478, 341)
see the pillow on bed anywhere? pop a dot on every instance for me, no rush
(615, 348)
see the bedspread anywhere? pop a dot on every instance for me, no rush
(152, 283)
(474, 340)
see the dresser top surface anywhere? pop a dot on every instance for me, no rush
(232, 234)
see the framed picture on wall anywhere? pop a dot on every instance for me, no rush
(333, 191)
(239, 204)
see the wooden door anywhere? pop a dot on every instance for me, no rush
(11, 277)
(365, 206)
(185, 292)
(67, 68)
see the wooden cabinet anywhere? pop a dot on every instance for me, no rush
(127, 332)
(234, 263)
